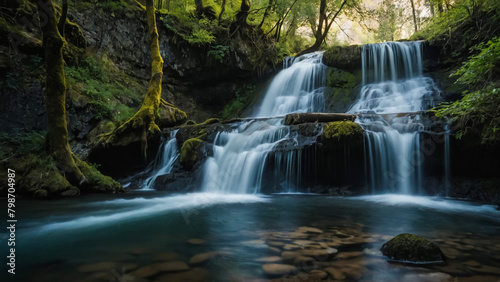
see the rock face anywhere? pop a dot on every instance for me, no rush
(412, 248)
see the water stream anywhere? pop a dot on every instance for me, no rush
(394, 92)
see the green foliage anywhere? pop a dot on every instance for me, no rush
(243, 97)
(219, 52)
(25, 142)
(196, 31)
(113, 5)
(106, 95)
(481, 102)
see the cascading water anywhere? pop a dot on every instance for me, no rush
(393, 86)
(164, 162)
(240, 156)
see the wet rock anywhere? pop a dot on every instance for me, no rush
(412, 248)
(195, 241)
(203, 257)
(289, 256)
(451, 252)
(335, 273)
(472, 263)
(255, 244)
(275, 243)
(270, 259)
(138, 251)
(303, 243)
(487, 270)
(305, 229)
(427, 277)
(348, 255)
(166, 257)
(193, 275)
(323, 253)
(172, 266)
(290, 247)
(274, 269)
(316, 275)
(274, 250)
(94, 267)
(146, 271)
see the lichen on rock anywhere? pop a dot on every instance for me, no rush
(342, 131)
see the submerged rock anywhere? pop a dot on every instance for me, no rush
(274, 269)
(412, 248)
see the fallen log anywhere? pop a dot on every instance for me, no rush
(291, 119)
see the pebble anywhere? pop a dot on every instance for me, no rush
(270, 259)
(427, 277)
(275, 243)
(335, 273)
(171, 266)
(303, 243)
(348, 255)
(319, 252)
(289, 255)
(306, 229)
(274, 250)
(316, 275)
(146, 271)
(193, 275)
(274, 269)
(166, 256)
(290, 247)
(94, 267)
(195, 241)
(203, 257)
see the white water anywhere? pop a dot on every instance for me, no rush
(393, 82)
(164, 162)
(240, 156)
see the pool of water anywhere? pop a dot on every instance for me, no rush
(214, 237)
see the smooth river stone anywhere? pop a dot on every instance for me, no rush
(290, 247)
(274, 250)
(348, 255)
(195, 241)
(171, 256)
(472, 263)
(274, 269)
(288, 256)
(318, 252)
(306, 229)
(275, 243)
(203, 257)
(269, 259)
(138, 251)
(316, 275)
(450, 252)
(427, 277)
(146, 271)
(335, 273)
(303, 243)
(99, 266)
(193, 275)
(171, 266)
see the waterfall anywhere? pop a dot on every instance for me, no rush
(164, 162)
(393, 86)
(240, 156)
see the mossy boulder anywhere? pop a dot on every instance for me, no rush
(190, 152)
(342, 131)
(171, 116)
(411, 248)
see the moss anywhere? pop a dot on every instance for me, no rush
(343, 57)
(211, 121)
(339, 78)
(96, 181)
(412, 248)
(190, 122)
(189, 152)
(170, 116)
(342, 130)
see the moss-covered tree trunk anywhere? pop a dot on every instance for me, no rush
(57, 130)
(144, 124)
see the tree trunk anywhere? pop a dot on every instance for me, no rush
(62, 19)
(143, 125)
(199, 7)
(222, 9)
(320, 34)
(266, 13)
(57, 130)
(241, 16)
(414, 15)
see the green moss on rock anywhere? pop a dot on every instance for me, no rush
(171, 116)
(412, 248)
(189, 152)
(96, 181)
(342, 131)
(343, 57)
